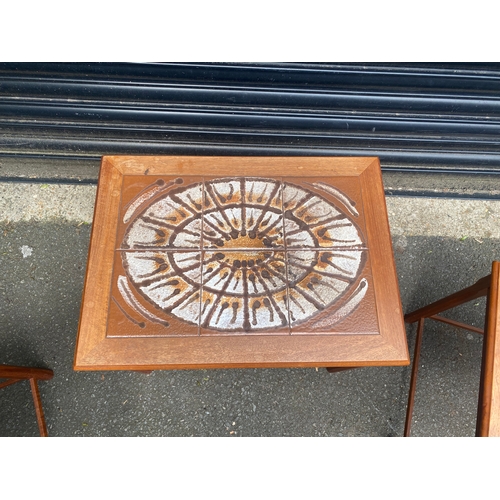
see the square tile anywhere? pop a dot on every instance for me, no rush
(242, 213)
(318, 213)
(331, 292)
(155, 293)
(160, 213)
(244, 291)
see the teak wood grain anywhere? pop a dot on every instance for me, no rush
(488, 416)
(15, 374)
(386, 345)
(488, 410)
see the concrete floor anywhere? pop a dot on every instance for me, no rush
(440, 246)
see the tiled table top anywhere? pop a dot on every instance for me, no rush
(252, 261)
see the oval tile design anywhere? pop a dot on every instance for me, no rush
(245, 254)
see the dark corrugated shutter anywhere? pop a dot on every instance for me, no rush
(440, 117)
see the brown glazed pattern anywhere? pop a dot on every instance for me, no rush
(239, 256)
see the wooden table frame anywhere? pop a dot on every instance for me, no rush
(15, 374)
(97, 351)
(488, 412)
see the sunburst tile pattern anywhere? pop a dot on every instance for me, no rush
(239, 256)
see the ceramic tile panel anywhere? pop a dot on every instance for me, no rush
(243, 255)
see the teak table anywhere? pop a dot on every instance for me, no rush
(205, 262)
